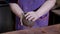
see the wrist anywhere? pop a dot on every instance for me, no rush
(41, 14)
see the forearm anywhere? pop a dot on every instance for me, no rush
(16, 9)
(46, 7)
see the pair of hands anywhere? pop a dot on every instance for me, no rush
(32, 16)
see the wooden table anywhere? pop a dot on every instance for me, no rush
(54, 29)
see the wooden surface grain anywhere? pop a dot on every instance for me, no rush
(54, 29)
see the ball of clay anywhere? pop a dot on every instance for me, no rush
(27, 22)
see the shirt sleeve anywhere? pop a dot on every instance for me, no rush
(12, 1)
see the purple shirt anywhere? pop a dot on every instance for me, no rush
(31, 5)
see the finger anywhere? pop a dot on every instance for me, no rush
(27, 14)
(30, 18)
(34, 19)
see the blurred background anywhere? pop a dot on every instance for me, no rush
(54, 17)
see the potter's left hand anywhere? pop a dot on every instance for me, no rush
(33, 16)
